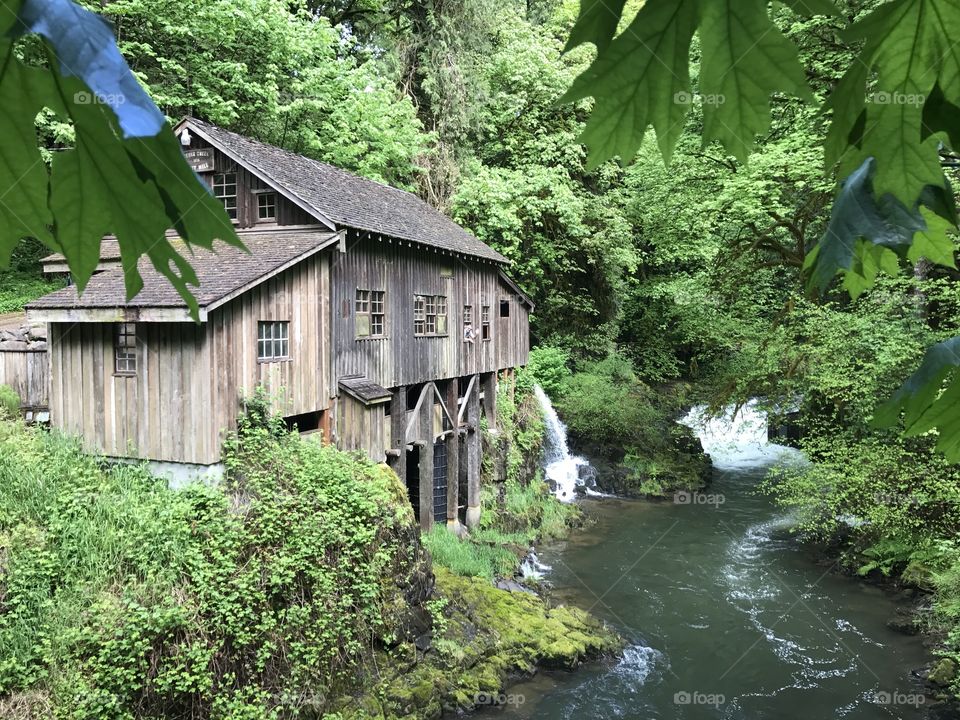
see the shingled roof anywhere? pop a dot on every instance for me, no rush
(346, 199)
(221, 273)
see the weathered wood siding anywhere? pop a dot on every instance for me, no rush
(161, 412)
(190, 378)
(400, 357)
(28, 373)
(288, 213)
(362, 427)
(299, 385)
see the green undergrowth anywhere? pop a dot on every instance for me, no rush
(17, 288)
(121, 598)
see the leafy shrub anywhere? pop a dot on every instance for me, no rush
(546, 366)
(9, 401)
(122, 597)
(19, 288)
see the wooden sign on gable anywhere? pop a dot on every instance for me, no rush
(201, 160)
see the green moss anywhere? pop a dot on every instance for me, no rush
(499, 635)
(943, 672)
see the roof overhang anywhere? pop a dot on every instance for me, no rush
(128, 313)
(524, 298)
(365, 390)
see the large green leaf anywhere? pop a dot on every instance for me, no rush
(925, 404)
(745, 60)
(641, 79)
(596, 23)
(911, 46)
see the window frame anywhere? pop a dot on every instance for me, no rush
(125, 361)
(504, 305)
(365, 305)
(430, 316)
(271, 204)
(486, 327)
(278, 337)
(233, 211)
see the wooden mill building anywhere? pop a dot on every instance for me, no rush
(365, 313)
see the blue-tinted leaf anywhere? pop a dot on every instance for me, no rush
(85, 48)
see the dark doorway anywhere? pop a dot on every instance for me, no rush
(440, 482)
(413, 480)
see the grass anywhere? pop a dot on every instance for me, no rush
(469, 558)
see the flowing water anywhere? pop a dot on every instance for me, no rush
(725, 615)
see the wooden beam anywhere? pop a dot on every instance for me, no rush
(416, 410)
(472, 404)
(398, 431)
(466, 398)
(453, 461)
(443, 405)
(426, 466)
(490, 399)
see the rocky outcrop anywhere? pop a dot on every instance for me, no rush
(26, 337)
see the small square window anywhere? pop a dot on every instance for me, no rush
(429, 314)
(504, 308)
(125, 349)
(267, 206)
(273, 341)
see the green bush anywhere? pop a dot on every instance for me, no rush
(9, 401)
(546, 366)
(19, 288)
(122, 598)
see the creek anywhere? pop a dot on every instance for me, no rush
(726, 615)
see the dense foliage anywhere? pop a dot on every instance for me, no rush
(123, 598)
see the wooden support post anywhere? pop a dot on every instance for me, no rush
(398, 431)
(490, 399)
(473, 455)
(426, 464)
(453, 458)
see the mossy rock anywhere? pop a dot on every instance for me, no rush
(943, 672)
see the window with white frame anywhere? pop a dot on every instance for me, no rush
(273, 340)
(266, 206)
(125, 348)
(225, 188)
(370, 313)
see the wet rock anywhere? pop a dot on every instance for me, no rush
(904, 622)
(513, 586)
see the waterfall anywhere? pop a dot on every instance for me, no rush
(564, 472)
(738, 437)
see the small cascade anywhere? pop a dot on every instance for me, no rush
(532, 568)
(564, 472)
(738, 437)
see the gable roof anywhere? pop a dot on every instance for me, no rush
(343, 198)
(223, 274)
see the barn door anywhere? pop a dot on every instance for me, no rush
(440, 482)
